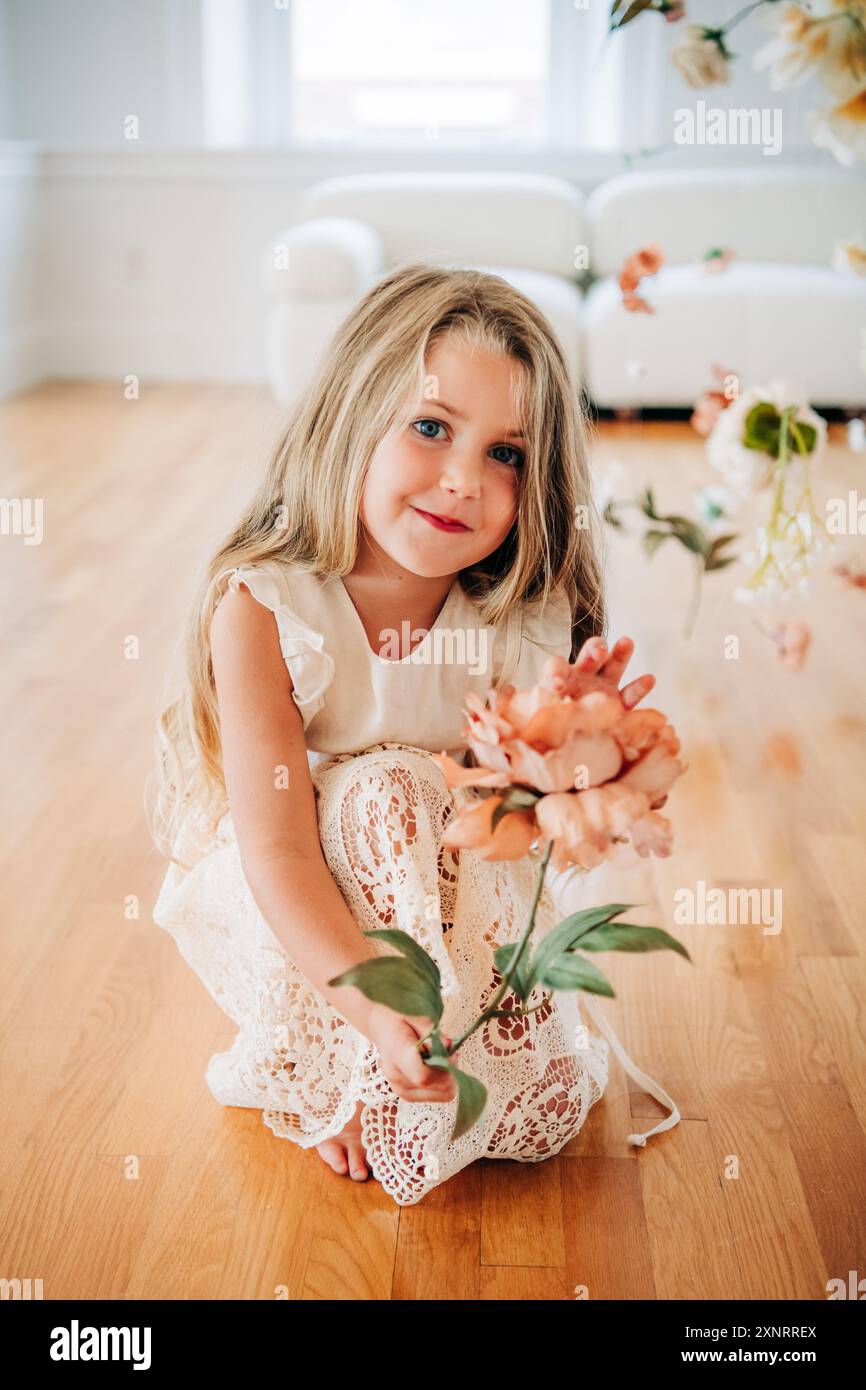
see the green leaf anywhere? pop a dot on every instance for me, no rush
(648, 506)
(653, 539)
(515, 799)
(689, 534)
(520, 982)
(634, 9)
(720, 542)
(570, 931)
(471, 1100)
(411, 950)
(802, 436)
(396, 983)
(628, 936)
(567, 971)
(471, 1096)
(719, 563)
(762, 429)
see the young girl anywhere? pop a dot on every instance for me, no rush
(425, 528)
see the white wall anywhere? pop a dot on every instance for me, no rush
(80, 67)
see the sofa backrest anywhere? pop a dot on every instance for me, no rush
(528, 221)
(793, 215)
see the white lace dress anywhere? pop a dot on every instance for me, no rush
(371, 725)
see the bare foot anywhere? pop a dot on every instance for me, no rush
(345, 1152)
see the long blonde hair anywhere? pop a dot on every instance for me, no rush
(306, 511)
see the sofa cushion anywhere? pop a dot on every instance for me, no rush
(531, 220)
(790, 215)
(798, 323)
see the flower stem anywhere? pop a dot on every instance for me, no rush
(515, 959)
(695, 600)
(741, 14)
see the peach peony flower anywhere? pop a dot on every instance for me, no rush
(701, 58)
(855, 577)
(570, 764)
(792, 641)
(636, 304)
(709, 406)
(647, 261)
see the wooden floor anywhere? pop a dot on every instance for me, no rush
(122, 1177)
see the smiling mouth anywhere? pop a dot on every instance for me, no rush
(442, 523)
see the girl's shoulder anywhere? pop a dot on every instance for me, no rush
(297, 599)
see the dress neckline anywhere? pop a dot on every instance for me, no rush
(385, 660)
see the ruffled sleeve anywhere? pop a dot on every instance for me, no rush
(310, 666)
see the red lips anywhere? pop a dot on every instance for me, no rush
(443, 523)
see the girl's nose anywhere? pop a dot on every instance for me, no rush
(463, 478)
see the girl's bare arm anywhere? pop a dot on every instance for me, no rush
(273, 805)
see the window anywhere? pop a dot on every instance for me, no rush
(408, 71)
(472, 75)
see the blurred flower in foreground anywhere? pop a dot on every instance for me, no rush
(709, 405)
(769, 437)
(829, 40)
(855, 577)
(792, 641)
(701, 57)
(850, 256)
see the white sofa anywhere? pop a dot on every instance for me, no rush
(780, 310)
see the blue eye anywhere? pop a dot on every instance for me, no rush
(511, 450)
(439, 425)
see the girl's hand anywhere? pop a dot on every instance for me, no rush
(596, 668)
(396, 1037)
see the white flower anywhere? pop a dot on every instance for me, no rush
(842, 128)
(745, 469)
(700, 60)
(830, 38)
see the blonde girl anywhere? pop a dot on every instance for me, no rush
(425, 528)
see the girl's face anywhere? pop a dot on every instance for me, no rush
(457, 452)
